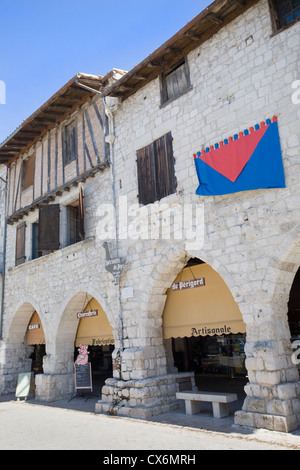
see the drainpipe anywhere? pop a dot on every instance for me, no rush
(112, 160)
(4, 255)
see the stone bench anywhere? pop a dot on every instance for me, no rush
(219, 401)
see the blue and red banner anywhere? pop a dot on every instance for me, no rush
(250, 160)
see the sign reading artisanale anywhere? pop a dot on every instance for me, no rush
(188, 284)
(217, 330)
(89, 313)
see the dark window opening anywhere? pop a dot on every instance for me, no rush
(28, 172)
(69, 142)
(294, 307)
(48, 230)
(285, 12)
(35, 253)
(74, 224)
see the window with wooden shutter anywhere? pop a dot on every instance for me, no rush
(20, 244)
(48, 234)
(156, 174)
(175, 81)
(75, 220)
(69, 142)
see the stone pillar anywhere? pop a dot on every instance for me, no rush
(273, 390)
(140, 386)
(14, 359)
(57, 382)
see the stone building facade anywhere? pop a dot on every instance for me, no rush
(235, 67)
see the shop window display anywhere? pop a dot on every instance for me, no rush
(211, 355)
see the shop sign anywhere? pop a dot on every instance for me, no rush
(211, 331)
(90, 313)
(115, 266)
(25, 385)
(33, 327)
(83, 376)
(188, 284)
(102, 341)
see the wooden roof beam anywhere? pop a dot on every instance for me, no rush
(69, 98)
(45, 121)
(174, 50)
(193, 36)
(62, 107)
(154, 63)
(140, 77)
(214, 18)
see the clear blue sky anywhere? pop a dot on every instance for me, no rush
(43, 44)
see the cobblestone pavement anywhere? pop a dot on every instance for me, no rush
(69, 425)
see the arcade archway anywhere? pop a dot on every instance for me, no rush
(204, 331)
(294, 317)
(95, 331)
(35, 337)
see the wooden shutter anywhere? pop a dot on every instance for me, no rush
(177, 81)
(164, 165)
(20, 244)
(81, 214)
(48, 238)
(146, 175)
(156, 173)
(28, 172)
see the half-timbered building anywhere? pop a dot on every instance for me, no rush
(153, 216)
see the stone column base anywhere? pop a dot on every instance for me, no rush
(54, 387)
(143, 398)
(275, 408)
(266, 421)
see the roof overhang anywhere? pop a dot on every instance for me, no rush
(200, 29)
(55, 110)
(71, 96)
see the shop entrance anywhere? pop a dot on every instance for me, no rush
(36, 338)
(95, 332)
(294, 315)
(203, 327)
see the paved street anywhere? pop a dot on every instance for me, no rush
(31, 426)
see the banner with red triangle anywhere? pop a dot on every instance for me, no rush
(249, 160)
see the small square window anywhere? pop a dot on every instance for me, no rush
(175, 81)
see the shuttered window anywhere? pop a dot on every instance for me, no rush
(20, 244)
(69, 142)
(75, 220)
(28, 172)
(175, 81)
(155, 168)
(48, 234)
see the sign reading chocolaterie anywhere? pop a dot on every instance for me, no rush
(188, 284)
(90, 313)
